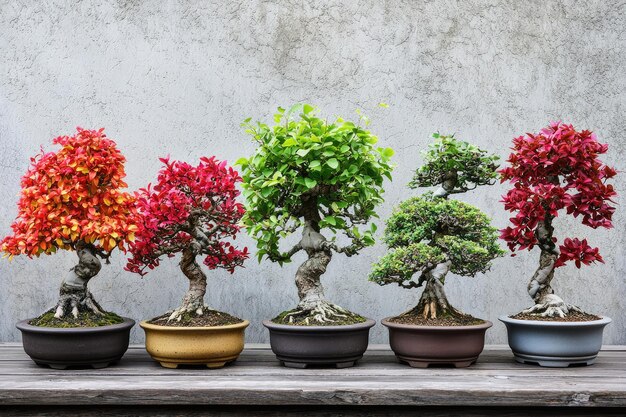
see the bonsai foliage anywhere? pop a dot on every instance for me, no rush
(429, 235)
(554, 170)
(191, 210)
(312, 175)
(71, 199)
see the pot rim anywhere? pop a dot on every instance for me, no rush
(603, 321)
(385, 322)
(368, 323)
(24, 326)
(149, 326)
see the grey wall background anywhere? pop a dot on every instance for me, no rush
(178, 77)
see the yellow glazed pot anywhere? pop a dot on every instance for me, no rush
(213, 346)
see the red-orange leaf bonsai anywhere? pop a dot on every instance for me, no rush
(72, 199)
(557, 169)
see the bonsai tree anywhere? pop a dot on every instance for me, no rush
(554, 170)
(71, 199)
(430, 235)
(312, 175)
(191, 210)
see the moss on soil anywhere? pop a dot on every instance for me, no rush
(572, 316)
(84, 319)
(300, 320)
(191, 319)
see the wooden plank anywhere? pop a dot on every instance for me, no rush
(461, 390)
(299, 411)
(257, 378)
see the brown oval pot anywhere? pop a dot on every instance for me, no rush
(60, 348)
(421, 346)
(212, 346)
(302, 346)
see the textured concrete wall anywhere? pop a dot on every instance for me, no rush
(176, 77)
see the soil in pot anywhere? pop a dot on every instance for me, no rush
(452, 320)
(291, 317)
(208, 318)
(84, 319)
(211, 339)
(571, 316)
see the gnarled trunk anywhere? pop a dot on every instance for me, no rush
(193, 301)
(74, 296)
(313, 305)
(433, 303)
(547, 303)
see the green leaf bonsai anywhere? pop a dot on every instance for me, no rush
(430, 235)
(312, 175)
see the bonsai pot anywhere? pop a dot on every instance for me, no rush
(421, 346)
(302, 346)
(60, 348)
(556, 344)
(212, 346)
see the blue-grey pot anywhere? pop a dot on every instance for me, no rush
(555, 344)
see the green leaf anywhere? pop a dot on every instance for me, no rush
(289, 142)
(310, 183)
(388, 152)
(333, 163)
(241, 161)
(314, 164)
(307, 109)
(331, 220)
(303, 152)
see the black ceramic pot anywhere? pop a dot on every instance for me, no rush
(302, 346)
(59, 348)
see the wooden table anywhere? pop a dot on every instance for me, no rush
(257, 385)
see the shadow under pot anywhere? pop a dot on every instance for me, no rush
(303, 346)
(555, 344)
(422, 346)
(211, 346)
(60, 348)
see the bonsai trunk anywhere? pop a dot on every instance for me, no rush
(433, 303)
(547, 304)
(74, 297)
(313, 305)
(193, 301)
(448, 184)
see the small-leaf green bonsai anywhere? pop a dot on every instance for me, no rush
(312, 175)
(430, 235)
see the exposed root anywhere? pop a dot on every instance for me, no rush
(76, 300)
(193, 308)
(321, 312)
(551, 305)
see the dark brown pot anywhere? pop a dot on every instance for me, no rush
(421, 346)
(59, 348)
(303, 346)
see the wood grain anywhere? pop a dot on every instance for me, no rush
(257, 379)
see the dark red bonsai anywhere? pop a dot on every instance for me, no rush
(191, 210)
(554, 170)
